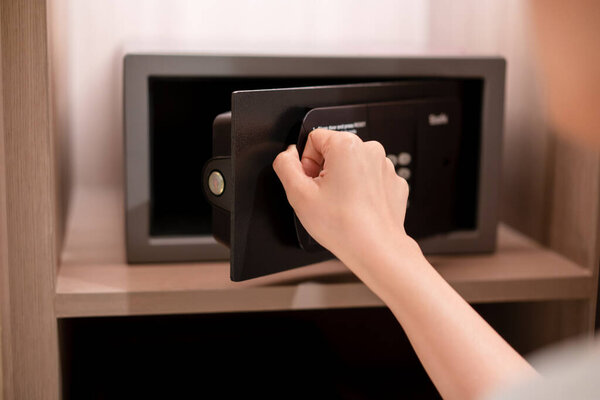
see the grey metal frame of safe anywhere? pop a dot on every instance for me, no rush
(141, 247)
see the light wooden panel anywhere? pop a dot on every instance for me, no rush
(58, 40)
(29, 325)
(574, 221)
(502, 27)
(549, 187)
(94, 278)
(574, 199)
(4, 300)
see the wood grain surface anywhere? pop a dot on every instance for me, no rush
(94, 278)
(29, 326)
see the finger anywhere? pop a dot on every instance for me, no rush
(390, 166)
(314, 151)
(311, 167)
(289, 169)
(376, 147)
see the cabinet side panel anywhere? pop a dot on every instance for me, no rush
(575, 203)
(58, 41)
(4, 299)
(31, 368)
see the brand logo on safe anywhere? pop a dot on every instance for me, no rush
(438, 119)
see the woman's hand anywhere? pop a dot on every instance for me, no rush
(346, 193)
(348, 197)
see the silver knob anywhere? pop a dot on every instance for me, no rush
(216, 183)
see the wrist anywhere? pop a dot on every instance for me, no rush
(374, 256)
(372, 245)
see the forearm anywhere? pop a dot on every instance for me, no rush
(462, 354)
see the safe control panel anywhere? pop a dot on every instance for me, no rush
(421, 138)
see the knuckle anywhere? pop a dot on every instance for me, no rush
(318, 134)
(379, 148)
(278, 160)
(340, 141)
(343, 137)
(312, 134)
(376, 147)
(346, 136)
(282, 158)
(353, 136)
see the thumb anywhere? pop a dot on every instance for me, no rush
(289, 169)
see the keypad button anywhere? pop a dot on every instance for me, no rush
(404, 173)
(404, 158)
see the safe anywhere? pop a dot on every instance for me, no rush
(201, 133)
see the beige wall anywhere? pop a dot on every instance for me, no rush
(504, 27)
(92, 36)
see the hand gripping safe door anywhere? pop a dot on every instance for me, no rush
(202, 133)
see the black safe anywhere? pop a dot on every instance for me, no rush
(193, 121)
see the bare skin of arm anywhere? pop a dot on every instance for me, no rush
(347, 195)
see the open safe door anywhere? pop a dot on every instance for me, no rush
(418, 123)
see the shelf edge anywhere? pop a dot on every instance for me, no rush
(305, 296)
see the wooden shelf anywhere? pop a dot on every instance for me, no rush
(94, 279)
